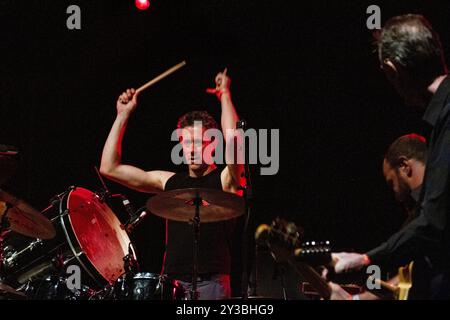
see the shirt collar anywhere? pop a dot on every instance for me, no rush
(437, 102)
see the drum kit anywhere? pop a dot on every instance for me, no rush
(79, 230)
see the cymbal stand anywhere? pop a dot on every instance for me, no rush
(246, 285)
(196, 235)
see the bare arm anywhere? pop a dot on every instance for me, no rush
(339, 293)
(232, 175)
(366, 295)
(111, 165)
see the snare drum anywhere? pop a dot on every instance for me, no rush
(147, 286)
(88, 234)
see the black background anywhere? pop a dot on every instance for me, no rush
(306, 68)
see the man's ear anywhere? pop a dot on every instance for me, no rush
(390, 69)
(404, 166)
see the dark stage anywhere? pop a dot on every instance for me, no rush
(308, 69)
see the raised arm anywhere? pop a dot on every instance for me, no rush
(232, 175)
(111, 164)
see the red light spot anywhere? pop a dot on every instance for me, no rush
(142, 4)
(415, 136)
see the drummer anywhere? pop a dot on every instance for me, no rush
(214, 263)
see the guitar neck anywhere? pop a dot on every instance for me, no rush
(317, 255)
(283, 240)
(314, 279)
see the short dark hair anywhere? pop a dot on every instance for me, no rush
(410, 41)
(188, 119)
(411, 146)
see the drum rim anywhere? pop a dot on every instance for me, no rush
(75, 244)
(148, 275)
(30, 264)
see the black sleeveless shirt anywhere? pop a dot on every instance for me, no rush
(215, 239)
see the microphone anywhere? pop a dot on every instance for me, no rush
(135, 217)
(128, 206)
(134, 221)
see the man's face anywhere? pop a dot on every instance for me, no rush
(197, 149)
(406, 87)
(396, 181)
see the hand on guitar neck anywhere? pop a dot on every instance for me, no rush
(398, 286)
(283, 240)
(346, 262)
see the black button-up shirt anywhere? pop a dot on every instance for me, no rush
(428, 234)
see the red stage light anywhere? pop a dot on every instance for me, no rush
(142, 4)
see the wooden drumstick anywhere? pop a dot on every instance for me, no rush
(161, 76)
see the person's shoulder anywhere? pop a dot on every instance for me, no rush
(444, 116)
(179, 175)
(174, 179)
(446, 108)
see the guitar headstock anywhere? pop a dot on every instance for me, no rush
(280, 230)
(285, 238)
(317, 253)
(285, 242)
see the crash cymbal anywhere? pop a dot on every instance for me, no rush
(10, 293)
(24, 219)
(8, 162)
(179, 205)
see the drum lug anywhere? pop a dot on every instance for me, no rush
(34, 244)
(65, 213)
(68, 260)
(9, 257)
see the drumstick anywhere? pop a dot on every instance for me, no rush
(161, 76)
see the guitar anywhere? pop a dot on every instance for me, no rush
(284, 241)
(400, 291)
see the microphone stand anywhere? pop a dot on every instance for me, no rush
(248, 198)
(104, 193)
(134, 217)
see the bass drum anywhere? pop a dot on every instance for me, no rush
(88, 235)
